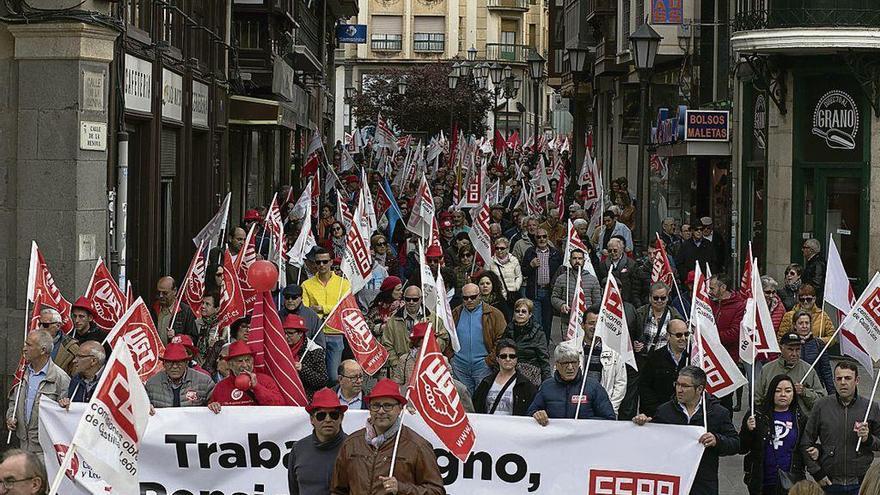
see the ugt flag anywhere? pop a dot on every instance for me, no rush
(349, 319)
(136, 329)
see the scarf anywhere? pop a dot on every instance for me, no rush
(377, 440)
(295, 349)
(794, 286)
(504, 260)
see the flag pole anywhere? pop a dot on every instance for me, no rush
(577, 410)
(870, 403)
(68, 458)
(822, 352)
(752, 385)
(27, 320)
(404, 411)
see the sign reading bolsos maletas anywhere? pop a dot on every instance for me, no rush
(691, 125)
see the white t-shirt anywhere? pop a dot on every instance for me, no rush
(505, 405)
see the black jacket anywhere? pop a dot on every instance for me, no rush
(532, 273)
(657, 378)
(706, 480)
(629, 279)
(531, 344)
(523, 393)
(689, 253)
(754, 442)
(814, 274)
(830, 428)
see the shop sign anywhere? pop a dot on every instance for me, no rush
(707, 125)
(759, 125)
(666, 11)
(669, 129)
(199, 105)
(172, 96)
(138, 84)
(836, 120)
(93, 136)
(354, 33)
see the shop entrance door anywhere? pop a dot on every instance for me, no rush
(841, 213)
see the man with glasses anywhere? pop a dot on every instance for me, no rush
(364, 461)
(178, 385)
(625, 270)
(310, 464)
(399, 326)
(539, 264)
(693, 249)
(686, 408)
(660, 368)
(184, 322)
(23, 473)
(293, 297)
(41, 377)
(322, 293)
(558, 396)
(479, 326)
(809, 388)
(350, 390)
(88, 365)
(64, 347)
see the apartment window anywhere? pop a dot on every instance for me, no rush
(533, 35)
(139, 13)
(169, 30)
(623, 42)
(387, 33)
(429, 33)
(248, 34)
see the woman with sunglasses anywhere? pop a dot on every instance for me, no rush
(770, 438)
(505, 392)
(526, 332)
(337, 239)
(822, 327)
(507, 267)
(788, 293)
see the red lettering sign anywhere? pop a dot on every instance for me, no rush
(605, 482)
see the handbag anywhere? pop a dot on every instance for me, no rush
(786, 480)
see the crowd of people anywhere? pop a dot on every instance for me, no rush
(511, 355)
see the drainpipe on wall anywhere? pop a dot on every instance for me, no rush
(121, 204)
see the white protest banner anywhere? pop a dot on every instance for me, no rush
(190, 450)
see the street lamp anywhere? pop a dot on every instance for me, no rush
(472, 53)
(644, 42)
(577, 57)
(350, 93)
(453, 83)
(401, 87)
(536, 71)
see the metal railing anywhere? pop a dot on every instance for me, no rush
(506, 52)
(429, 42)
(386, 42)
(773, 17)
(508, 4)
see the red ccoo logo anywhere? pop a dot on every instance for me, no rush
(603, 482)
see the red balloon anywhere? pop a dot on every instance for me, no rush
(262, 275)
(243, 382)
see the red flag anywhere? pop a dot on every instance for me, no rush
(661, 271)
(745, 285)
(193, 285)
(479, 233)
(347, 318)
(129, 294)
(272, 354)
(559, 194)
(243, 262)
(434, 396)
(499, 143)
(39, 279)
(311, 165)
(513, 142)
(382, 203)
(107, 299)
(231, 299)
(137, 329)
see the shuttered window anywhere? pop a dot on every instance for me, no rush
(168, 154)
(429, 33)
(387, 33)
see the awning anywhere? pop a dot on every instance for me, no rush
(247, 110)
(694, 148)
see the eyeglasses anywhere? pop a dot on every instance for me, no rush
(769, 292)
(412, 299)
(470, 298)
(322, 262)
(8, 484)
(337, 228)
(684, 385)
(522, 311)
(355, 378)
(47, 325)
(567, 364)
(507, 356)
(387, 407)
(466, 255)
(659, 298)
(322, 415)
(288, 297)
(681, 334)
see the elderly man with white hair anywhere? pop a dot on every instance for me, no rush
(625, 270)
(41, 377)
(64, 347)
(559, 395)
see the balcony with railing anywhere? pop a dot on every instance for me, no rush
(792, 26)
(507, 52)
(599, 8)
(606, 58)
(516, 5)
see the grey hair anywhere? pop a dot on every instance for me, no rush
(658, 286)
(695, 373)
(96, 351)
(33, 467)
(769, 283)
(620, 243)
(44, 340)
(580, 222)
(814, 245)
(53, 313)
(565, 352)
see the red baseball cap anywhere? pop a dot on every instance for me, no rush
(175, 352)
(295, 322)
(186, 341)
(325, 399)
(239, 348)
(434, 252)
(84, 304)
(251, 215)
(386, 388)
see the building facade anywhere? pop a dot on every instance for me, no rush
(407, 32)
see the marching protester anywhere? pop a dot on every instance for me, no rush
(811, 347)
(255, 389)
(565, 284)
(769, 437)
(808, 386)
(350, 390)
(539, 264)
(88, 365)
(184, 321)
(626, 272)
(533, 358)
(692, 406)
(660, 368)
(310, 464)
(507, 267)
(835, 428)
(821, 324)
(387, 302)
(398, 328)
(178, 385)
(307, 356)
(84, 327)
(293, 304)
(364, 460)
(64, 347)
(605, 365)
(505, 392)
(479, 327)
(322, 293)
(41, 378)
(559, 396)
(23, 473)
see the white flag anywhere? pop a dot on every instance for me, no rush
(357, 261)
(369, 224)
(210, 233)
(109, 433)
(611, 326)
(305, 241)
(576, 315)
(479, 233)
(303, 205)
(444, 311)
(863, 321)
(838, 293)
(422, 213)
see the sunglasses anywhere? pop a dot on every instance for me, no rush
(470, 298)
(507, 356)
(412, 299)
(539, 236)
(379, 244)
(806, 298)
(322, 262)
(522, 311)
(288, 297)
(500, 247)
(47, 325)
(659, 298)
(322, 415)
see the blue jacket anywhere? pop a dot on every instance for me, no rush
(77, 391)
(556, 397)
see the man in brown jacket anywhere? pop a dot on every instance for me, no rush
(64, 347)
(478, 327)
(364, 461)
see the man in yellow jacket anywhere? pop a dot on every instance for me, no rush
(322, 293)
